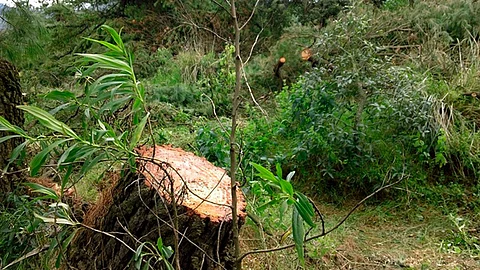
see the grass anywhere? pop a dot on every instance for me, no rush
(387, 236)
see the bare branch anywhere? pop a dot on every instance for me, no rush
(34, 252)
(253, 47)
(250, 91)
(224, 8)
(206, 29)
(215, 114)
(251, 15)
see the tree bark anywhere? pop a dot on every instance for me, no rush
(10, 97)
(140, 208)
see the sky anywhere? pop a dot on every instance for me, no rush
(10, 3)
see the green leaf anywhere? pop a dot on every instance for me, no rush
(49, 121)
(138, 256)
(159, 244)
(109, 45)
(290, 176)
(108, 62)
(6, 138)
(305, 209)
(283, 209)
(55, 220)
(115, 35)
(137, 134)
(90, 163)
(65, 155)
(65, 244)
(262, 207)
(60, 95)
(264, 173)
(286, 187)
(40, 158)
(17, 151)
(51, 194)
(298, 235)
(61, 107)
(115, 104)
(5, 125)
(167, 252)
(279, 171)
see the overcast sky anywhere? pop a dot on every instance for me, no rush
(10, 3)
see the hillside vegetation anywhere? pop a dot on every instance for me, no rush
(386, 92)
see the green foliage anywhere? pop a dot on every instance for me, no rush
(220, 81)
(213, 144)
(21, 231)
(282, 194)
(356, 110)
(77, 152)
(25, 38)
(462, 240)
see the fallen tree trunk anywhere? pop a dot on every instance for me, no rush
(141, 208)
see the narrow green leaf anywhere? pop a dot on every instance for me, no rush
(286, 187)
(60, 107)
(298, 235)
(283, 209)
(66, 177)
(109, 45)
(264, 206)
(167, 252)
(43, 190)
(290, 176)
(60, 95)
(40, 158)
(305, 209)
(305, 201)
(137, 134)
(5, 125)
(115, 35)
(90, 163)
(65, 155)
(279, 171)
(17, 151)
(48, 120)
(6, 138)
(55, 220)
(58, 261)
(108, 62)
(159, 244)
(264, 173)
(115, 104)
(138, 256)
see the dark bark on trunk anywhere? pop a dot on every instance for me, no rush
(10, 97)
(134, 207)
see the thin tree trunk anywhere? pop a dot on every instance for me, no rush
(233, 156)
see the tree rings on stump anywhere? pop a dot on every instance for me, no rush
(140, 208)
(201, 187)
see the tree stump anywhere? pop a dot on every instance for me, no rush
(140, 208)
(10, 97)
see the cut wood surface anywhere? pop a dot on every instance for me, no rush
(201, 187)
(139, 208)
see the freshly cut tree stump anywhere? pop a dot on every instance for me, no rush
(140, 208)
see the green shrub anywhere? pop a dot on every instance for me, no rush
(213, 143)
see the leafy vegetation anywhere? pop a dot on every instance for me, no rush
(389, 93)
